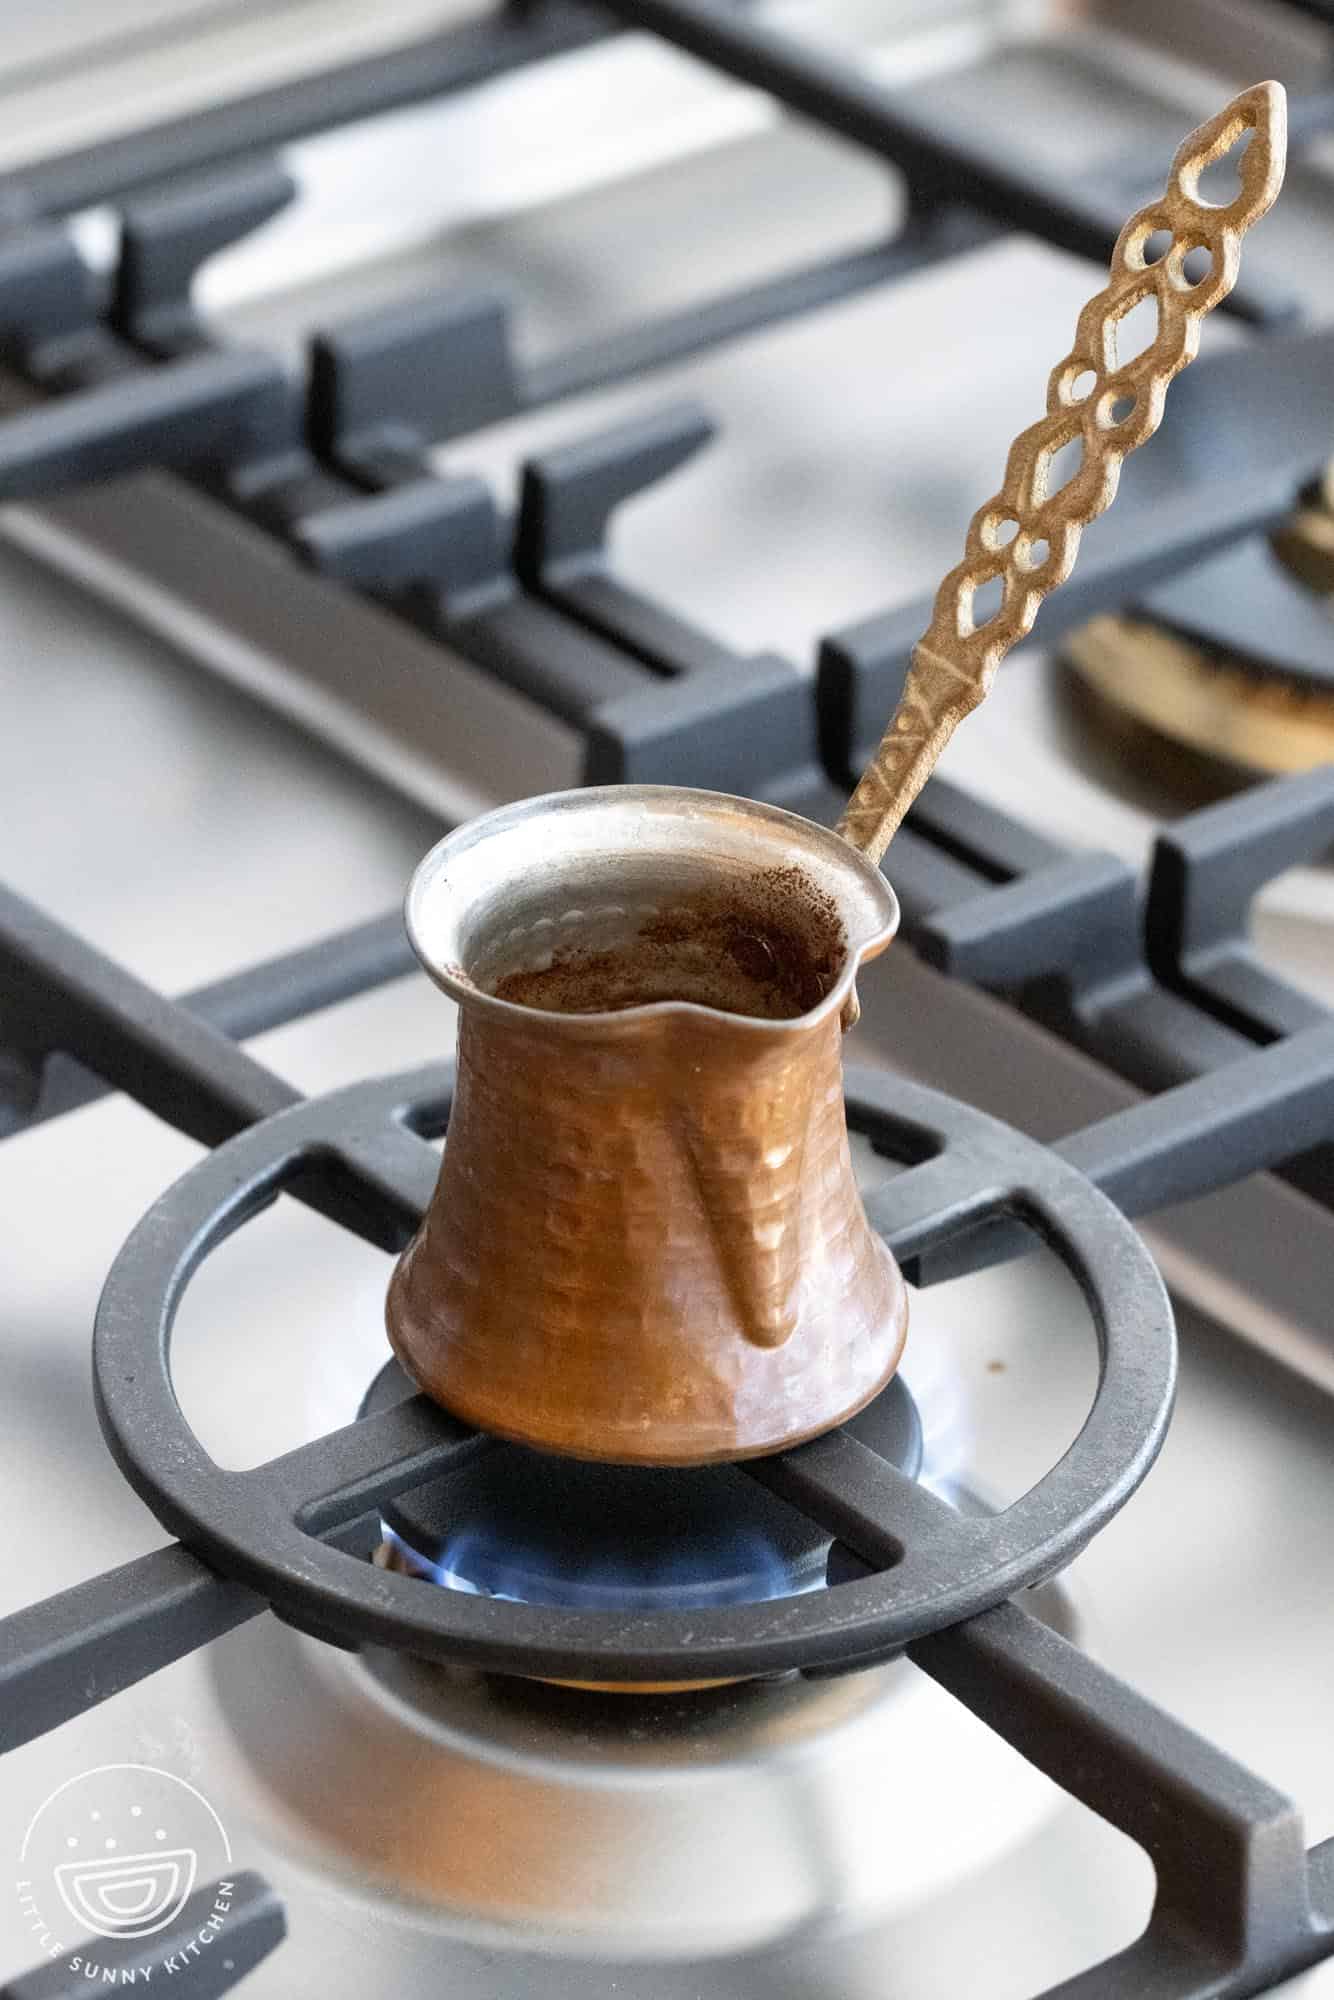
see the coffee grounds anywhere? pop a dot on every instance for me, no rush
(772, 951)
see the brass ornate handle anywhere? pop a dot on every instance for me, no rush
(1027, 536)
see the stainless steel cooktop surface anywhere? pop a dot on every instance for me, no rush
(430, 1831)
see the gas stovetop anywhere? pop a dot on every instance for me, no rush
(362, 451)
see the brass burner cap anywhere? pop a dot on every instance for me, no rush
(1305, 542)
(1217, 702)
(1213, 702)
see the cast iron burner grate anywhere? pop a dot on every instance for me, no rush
(1240, 1903)
(335, 470)
(284, 1530)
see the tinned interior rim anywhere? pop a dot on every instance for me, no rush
(579, 830)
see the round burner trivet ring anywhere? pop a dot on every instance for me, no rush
(287, 1530)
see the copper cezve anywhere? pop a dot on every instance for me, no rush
(646, 1243)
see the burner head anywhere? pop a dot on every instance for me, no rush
(1232, 659)
(1148, 681)
(1305, 541)
(538, 1529)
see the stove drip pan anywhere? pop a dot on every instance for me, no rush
(433, 1816)
(639, 1827)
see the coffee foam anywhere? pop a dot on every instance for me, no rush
(771, 947)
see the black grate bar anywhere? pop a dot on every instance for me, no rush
(250, 1923)
(1066, 940)
(979, 835)
(1162, 994)
(1255, 1114)
(265, 996)
(1233, 1876)
(369, 1461)
(90, 1642)
(307, 980)
(505, 39)
(929, 238)
(71, 1651)
(540, 655)
(62, 994)
(174, 414)
(925, 877)
(435, 550)
(167, 236)
(1232, 1913)
(859, 1498)
(754, 714)
(1319, 10)
(1262, 1112)
(661, 641)
(46, 290)
(415, 537)
(1207, 870)
(833, 93)
(1322, 1882)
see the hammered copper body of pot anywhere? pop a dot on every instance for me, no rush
(646, 1243)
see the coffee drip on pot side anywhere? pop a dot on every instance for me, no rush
(771, 948)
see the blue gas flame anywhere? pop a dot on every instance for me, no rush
(743, 1569)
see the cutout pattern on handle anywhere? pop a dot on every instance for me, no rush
(1099, 409)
